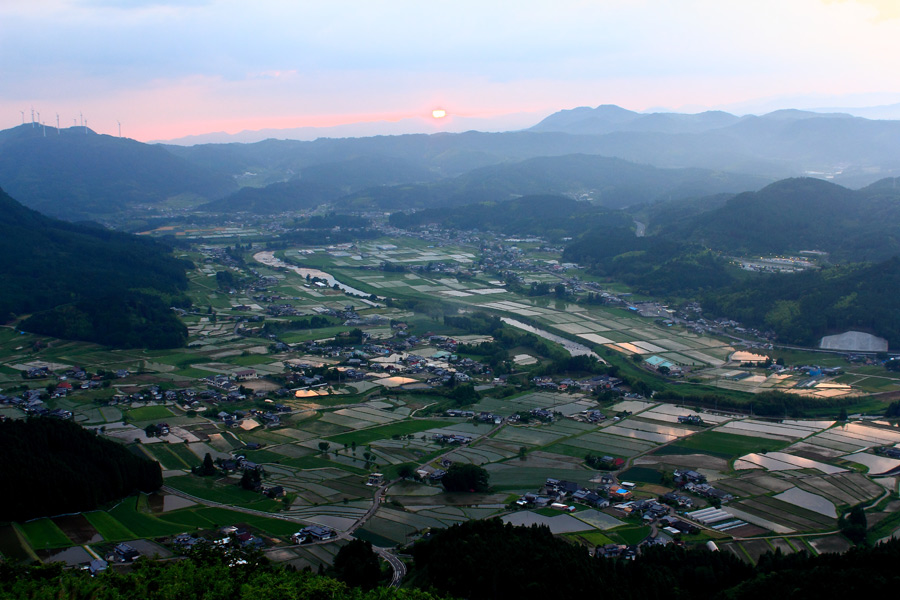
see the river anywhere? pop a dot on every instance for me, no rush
(574, 348)
(268, 258)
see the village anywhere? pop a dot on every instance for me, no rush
(328, 415)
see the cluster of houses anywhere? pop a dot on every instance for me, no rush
(587, 385)
(454, 439)
(31, 403)
(556, 493)
(695, 482)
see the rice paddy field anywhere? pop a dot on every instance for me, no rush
(786, 476)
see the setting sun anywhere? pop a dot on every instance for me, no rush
(439, 113)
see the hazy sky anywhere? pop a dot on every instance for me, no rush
(167, 68)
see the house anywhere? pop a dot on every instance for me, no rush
(244, 375)
(126, 553)
(678, 525)
(691, 420)
(619, 493)
(275, 492)
(316, 532)
(98, 565)
(689, 476)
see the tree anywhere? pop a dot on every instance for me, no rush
(357, 565)
(251, 479)
(854, 524)
(324, 446)
(465, 478)
(522, 451)
(208, 467)
(406, 471)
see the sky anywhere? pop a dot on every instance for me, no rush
(171, 68)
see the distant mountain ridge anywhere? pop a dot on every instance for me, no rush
(78, 174)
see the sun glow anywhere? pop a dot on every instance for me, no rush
(439, 113)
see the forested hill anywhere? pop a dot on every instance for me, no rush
(800, 214)
(49, 264)
(609, 182)
(54, 467)
(803, 307)
(550, 216)
(489, 560)
(78, 174)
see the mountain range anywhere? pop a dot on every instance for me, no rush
(76, 174)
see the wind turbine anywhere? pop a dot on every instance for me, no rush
(120, 127)
(57, 123)
(23, 116)
(32, 117)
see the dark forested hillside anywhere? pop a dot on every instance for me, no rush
(803, 307)
(323, 183)
(551, 216)
(652, 265)
(78, 174)
(609, 182)
(802, 214)
(492, 561)
(48, 263)
(52, 467)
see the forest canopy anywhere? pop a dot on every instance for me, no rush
(59, 467)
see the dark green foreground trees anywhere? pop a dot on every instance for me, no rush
(488, 560)
(206, 576)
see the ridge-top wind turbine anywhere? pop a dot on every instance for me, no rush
(57, 123)
(120, 127)
(23, 116)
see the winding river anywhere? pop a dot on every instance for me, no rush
(268, 258)
(574, 348)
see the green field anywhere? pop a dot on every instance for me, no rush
(317, 462)
(211, 489)
(43, 534)
(630, 535)
(385, 432)
(109, 527)
(168, 459)
(641, 475)
(149, 413)
(142, 524)
(594, 538)
(184, 453)
(725, 445)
